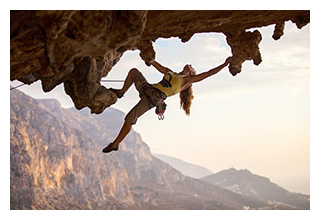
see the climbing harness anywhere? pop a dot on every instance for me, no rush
(155, 97)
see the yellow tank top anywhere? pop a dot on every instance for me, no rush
(170, 84)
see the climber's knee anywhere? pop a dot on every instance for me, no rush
(132, 75)
(134, 71)
(137, 77)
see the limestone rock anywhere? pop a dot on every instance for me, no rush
(245, 46)
(78, 48)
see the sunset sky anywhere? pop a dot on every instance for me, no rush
(258, 120)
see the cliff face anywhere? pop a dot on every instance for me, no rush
(78, 48)
(50, 161)
(56, 160)
(56, 163)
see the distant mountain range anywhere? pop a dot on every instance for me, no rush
(56, 163)
(240, 181)
(187, 169)
(246, 183)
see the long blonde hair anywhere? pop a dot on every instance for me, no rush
(186, 97)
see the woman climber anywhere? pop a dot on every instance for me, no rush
(153, 95)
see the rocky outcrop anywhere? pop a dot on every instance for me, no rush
(78, 48)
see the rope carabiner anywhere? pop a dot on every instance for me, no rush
(160, 116)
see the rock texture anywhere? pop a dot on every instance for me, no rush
(78, 48)
(56, 163)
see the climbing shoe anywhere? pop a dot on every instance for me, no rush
(117, 92)
(110, 148)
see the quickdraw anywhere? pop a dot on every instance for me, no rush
(160, 116)
(161, 109)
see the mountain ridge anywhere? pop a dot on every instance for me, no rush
(56, 163)
(244, 182)
(186, 168)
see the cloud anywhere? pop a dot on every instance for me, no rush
(286, 63)
(203, 51)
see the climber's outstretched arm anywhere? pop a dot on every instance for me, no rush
(160, 68)
(202, 76)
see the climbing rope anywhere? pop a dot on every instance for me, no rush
(17, 86)
(105, 80)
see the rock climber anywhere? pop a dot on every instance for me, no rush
(153, 95)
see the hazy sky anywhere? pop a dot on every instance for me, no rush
(258, 120)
